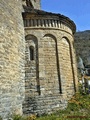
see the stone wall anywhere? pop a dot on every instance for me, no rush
(12, 48)
(36, 4)
(49, 77)
(51, 85)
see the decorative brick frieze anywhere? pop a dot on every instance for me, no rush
(46, 23)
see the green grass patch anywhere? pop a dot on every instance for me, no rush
(78, 109)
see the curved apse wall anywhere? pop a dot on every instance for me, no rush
(66, 65)
(50, 70)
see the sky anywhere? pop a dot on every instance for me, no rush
(76, 10)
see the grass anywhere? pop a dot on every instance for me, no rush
(78, 109)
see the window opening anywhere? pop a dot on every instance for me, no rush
(29, 3)
(31, 49)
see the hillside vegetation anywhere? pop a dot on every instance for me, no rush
(82, 44)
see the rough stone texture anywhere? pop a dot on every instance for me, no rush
(51, 77)
(36, 4)
(50, 73)
(12, 48)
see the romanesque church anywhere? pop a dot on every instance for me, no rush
(38, 72)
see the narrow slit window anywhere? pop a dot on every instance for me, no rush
(31, 49)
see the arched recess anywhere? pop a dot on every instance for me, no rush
(32, 65)
(66, 64)
(71, 57)
(51, 62)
